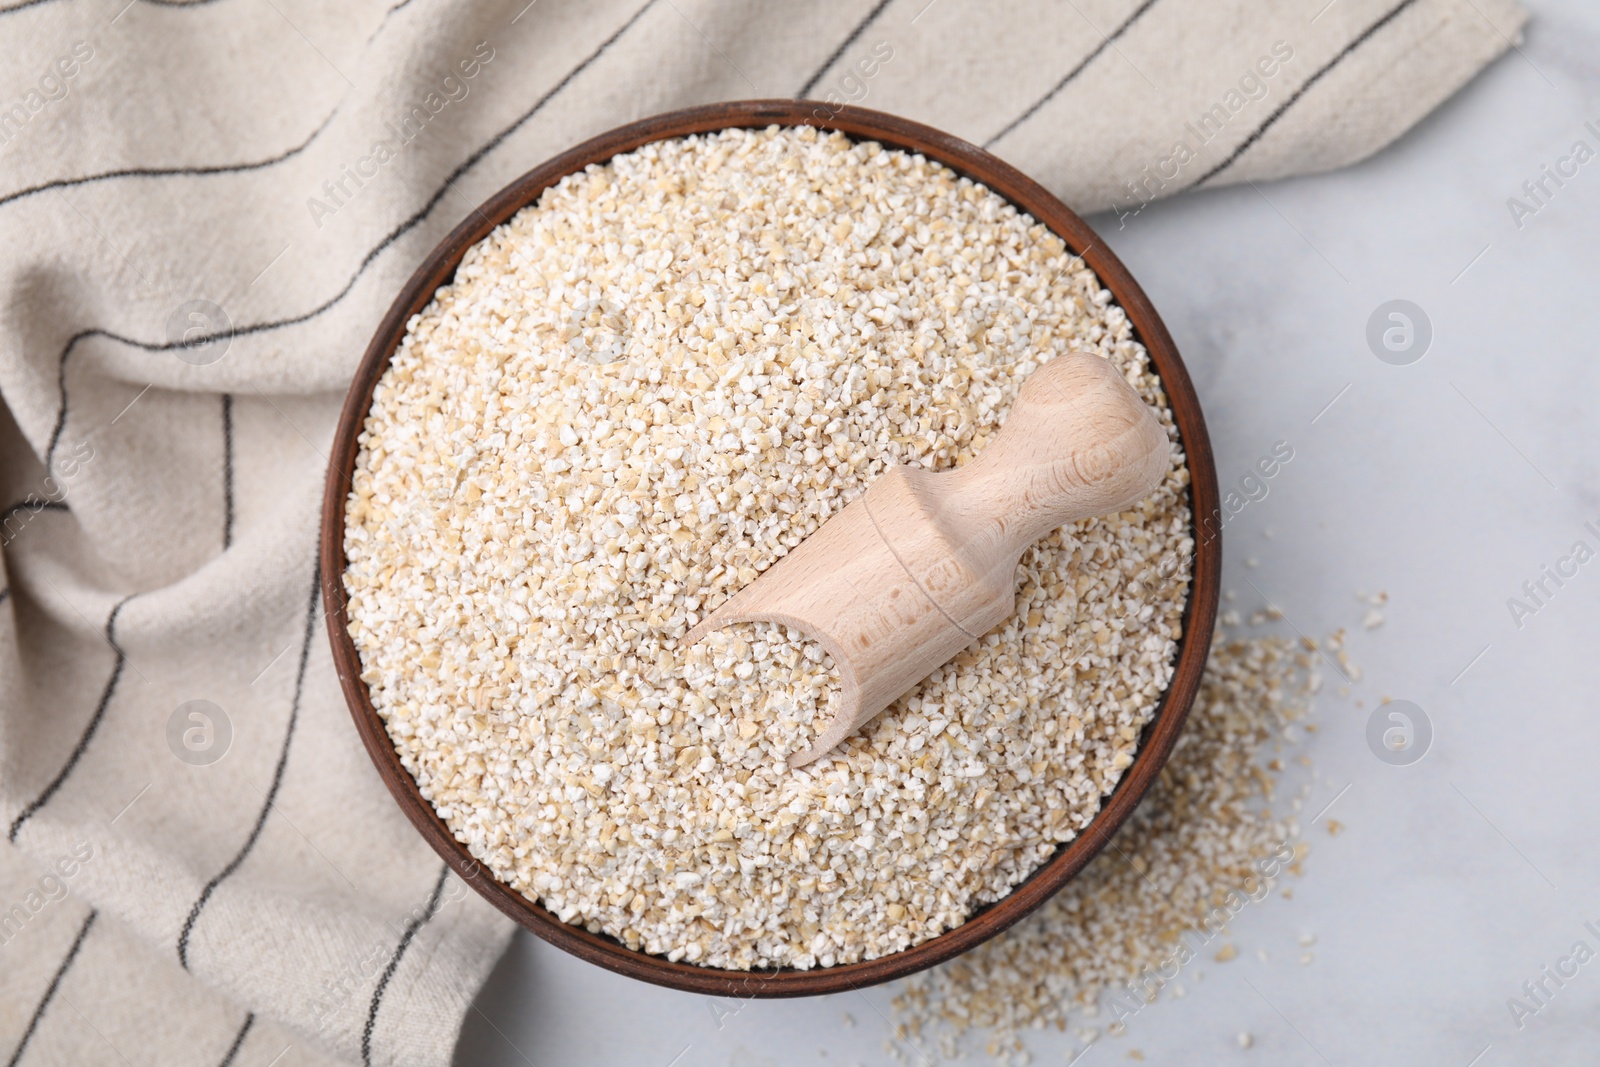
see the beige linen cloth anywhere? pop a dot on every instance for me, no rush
(227, 882)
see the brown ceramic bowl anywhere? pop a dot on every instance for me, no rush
(1159, 735)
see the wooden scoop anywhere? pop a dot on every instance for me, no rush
(922, 564)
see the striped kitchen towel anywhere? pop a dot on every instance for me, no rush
(205, 208)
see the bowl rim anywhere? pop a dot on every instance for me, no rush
(1160, 734)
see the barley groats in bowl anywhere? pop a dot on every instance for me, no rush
(631, 398)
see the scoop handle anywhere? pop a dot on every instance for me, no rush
(923, 563)
(1078, 442)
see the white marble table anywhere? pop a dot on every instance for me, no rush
(1448, 483)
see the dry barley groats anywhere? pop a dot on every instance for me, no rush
(634, 397)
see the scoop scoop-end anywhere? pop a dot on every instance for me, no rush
(844, 588)
(843, 714)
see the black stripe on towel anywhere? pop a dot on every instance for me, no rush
(22, 6)
(238, 1041)
(158, 3)
(394, 235)
(272, 791)
(416, 924)
(1074, 72)
(50, 993)
(855, 34)
(89, 731)
(34, 505)
(169, 172)
(227, 470)
(1277, 113)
